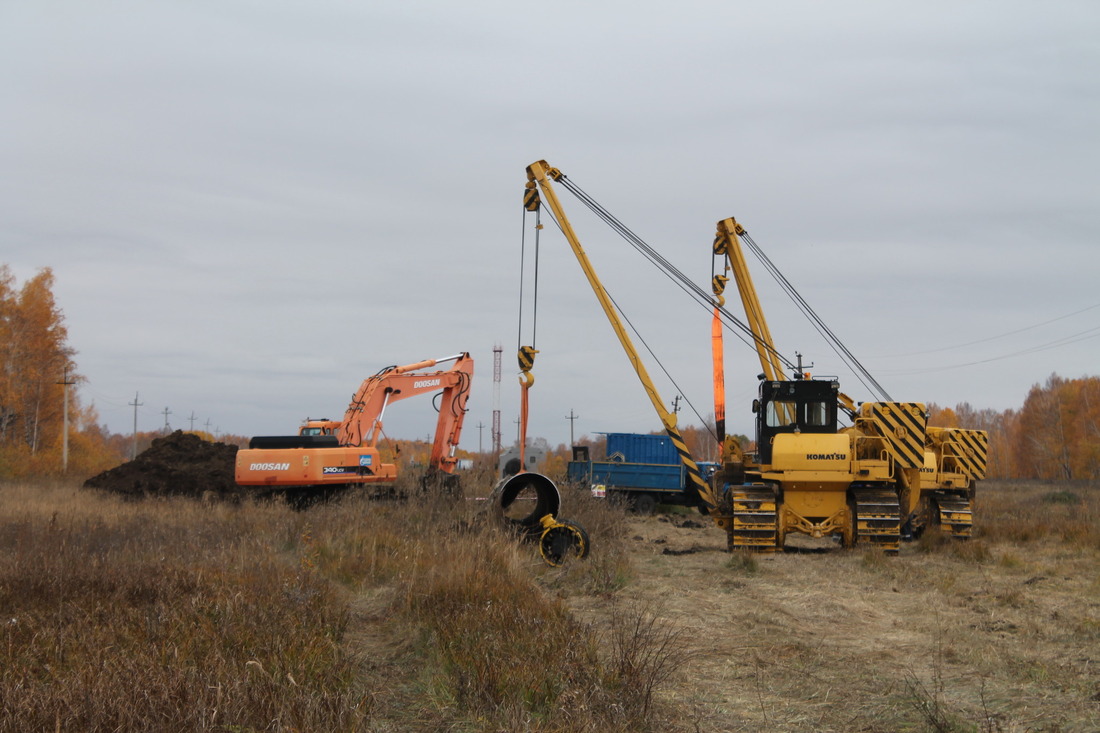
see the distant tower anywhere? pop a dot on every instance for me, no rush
(497, 351)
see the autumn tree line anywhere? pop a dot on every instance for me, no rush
(37, 366)
(36, 362)
(1055, 435)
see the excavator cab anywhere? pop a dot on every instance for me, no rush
(795, 406)
(323, 426)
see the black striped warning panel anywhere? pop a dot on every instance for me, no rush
(971, 451)
(902, 426)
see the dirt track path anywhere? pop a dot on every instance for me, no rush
(825, 639)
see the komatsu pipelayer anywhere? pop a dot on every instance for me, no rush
(864, 483)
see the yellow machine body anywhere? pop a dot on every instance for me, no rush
(862, 483)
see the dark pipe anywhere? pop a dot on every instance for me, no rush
(547, 499)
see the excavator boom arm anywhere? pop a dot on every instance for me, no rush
(363, 419)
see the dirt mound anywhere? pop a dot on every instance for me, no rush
(180, 464)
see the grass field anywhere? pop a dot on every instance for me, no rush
(395, 616)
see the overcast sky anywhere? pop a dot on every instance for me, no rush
(249, 207)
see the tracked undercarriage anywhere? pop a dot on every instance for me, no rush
(877, 518)
(758, 521)
(952, 512)
(755, 519)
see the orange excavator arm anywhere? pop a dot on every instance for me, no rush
(362, 423)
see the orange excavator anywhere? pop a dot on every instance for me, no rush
(327, 456)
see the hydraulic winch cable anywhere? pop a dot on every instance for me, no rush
(736, 326)
(640, 338)
(838, 347)
(535, 284)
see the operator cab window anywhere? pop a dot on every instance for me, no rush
(817, 414)
(791, 414)
(781, 413)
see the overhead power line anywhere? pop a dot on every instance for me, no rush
(1006, 334)
(1065, 341)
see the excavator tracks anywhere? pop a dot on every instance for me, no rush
(955, 514)
(755, 521)
(877, 519)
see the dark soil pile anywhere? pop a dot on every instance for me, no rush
(179, 464)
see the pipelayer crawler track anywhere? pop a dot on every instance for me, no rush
(755, 520)
(877, 519)
(954, 512)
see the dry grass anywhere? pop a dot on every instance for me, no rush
(164, 616)
(421, 615)
(1000, 633)
(357, 615)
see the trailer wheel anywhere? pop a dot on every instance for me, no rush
(643, 503)
(562, 541)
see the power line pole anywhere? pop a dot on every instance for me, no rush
(480, 430)
(495, 432)
(167, 427)
(192, 419)
(571, 417)
(65, 382)
(133, 447)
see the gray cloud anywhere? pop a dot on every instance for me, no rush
(251, 207)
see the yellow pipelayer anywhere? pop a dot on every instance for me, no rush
(862, 483)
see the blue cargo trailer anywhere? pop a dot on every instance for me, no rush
(639, 448)
(643, 470)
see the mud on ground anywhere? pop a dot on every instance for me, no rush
(180, 464)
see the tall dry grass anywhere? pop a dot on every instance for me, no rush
(178, 615)
(163, 615)
(1026, 513)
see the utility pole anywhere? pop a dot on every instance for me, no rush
(65, 382)
(207, 423)
(480, 429)
(192, 419)
(133, 447)
(676, 404)
(495, 432)
(167, 427)
(571, 417)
